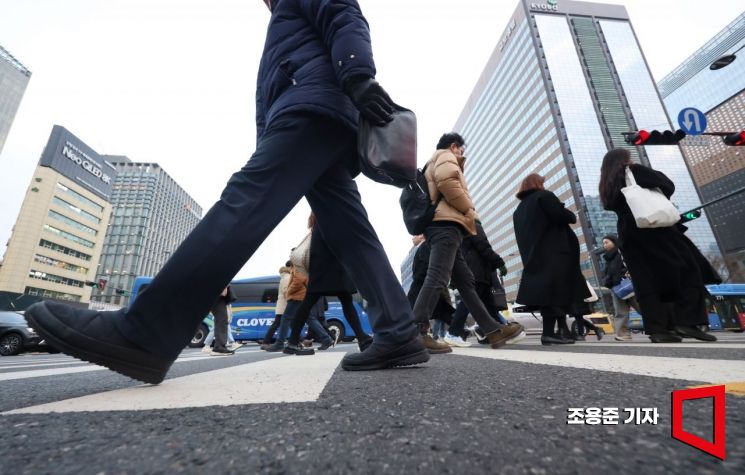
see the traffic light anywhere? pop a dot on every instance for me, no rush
(690, 215)
(666, 137)
(737, 139)
(121, 292)
(91, 284)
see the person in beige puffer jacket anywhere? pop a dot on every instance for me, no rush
(284, 281)
(455, 216)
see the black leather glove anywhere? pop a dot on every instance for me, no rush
(371, 100)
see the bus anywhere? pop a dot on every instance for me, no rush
(725, 307)
(253, 311)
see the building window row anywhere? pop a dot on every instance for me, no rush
(64, 250)
(60, 202)
(80, 198)
(51, 294)
(69, 236)
(61, 264)
(71, 222)
(57, 279)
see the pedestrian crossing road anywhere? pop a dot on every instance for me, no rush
(476, 410)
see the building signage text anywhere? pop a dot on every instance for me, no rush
(76, 155)
(548, 7)
(507, 34)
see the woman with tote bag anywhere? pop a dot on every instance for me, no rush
(667, 278)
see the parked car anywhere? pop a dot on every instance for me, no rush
(16, 336)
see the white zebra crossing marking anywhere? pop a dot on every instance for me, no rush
(688, 369)
(287, 379)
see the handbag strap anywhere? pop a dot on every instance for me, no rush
(630, 181)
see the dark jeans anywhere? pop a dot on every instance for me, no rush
(269, 336)
(661, 317)
(310, 300)
(298, 155)
(583, 325)
(220, 312)
(446, 263)
(286, 323)
(484, 291)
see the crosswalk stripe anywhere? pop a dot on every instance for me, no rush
(684, 345)
(689, 369)
(86, 367)
(287, 379)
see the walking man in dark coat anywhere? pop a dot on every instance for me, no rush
(315, 79)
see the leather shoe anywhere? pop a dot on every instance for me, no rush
(387, 355)
(693, 332)
(92, 336)
(364, 343)
(555, 340)
(499, 338)
(665, 338)
(298, 350)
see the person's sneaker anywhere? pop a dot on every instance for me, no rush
(518, 338)
(364, 343)
(387, 355)
(234, 346)
(206, 349)
(219, 352)
(326, 345)
(693, 332)
(264, 346)
(665, 338)
(275, 347)
(307, 343)
(457, 341)
(92, 336)
(599, 333)
(619, 338)
(435, 347)
(298, 350)
(500, 337)
(579, 337)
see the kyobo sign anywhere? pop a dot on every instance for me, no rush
(549, 6)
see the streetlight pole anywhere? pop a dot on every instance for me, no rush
(725, 60)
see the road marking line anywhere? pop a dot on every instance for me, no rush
(86, 367)
(276, 380)
(40, 364)
(736, 388)
(689, 369)
(620, 344)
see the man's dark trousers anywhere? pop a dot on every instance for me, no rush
(446, 263)
(298, 155)
(220, 312)
(485, 293)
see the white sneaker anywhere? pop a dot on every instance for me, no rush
(234, 346)
(453, 340)
(206, 349)
(519, 337)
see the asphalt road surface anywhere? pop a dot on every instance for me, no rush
(474, 411)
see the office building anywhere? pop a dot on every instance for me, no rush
(717, 169)
(151, 215)
(54, 248)
(565, 80)
(14, 78)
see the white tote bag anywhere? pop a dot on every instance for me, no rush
(651, 209)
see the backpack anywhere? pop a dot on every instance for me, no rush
(418, 210)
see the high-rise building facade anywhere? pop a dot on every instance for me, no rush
(14, 78)
(717, 169)
(151, 215)
(57, 239)
(565, 80)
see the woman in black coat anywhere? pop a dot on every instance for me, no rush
(552, 280)
(667, 278)
(327, 277)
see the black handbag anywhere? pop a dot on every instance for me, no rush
(388, 153)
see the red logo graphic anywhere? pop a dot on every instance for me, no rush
(718, 446)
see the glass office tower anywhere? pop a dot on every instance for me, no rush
(565, 80)
(717, 169)
(14, 78)
(151, 215)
